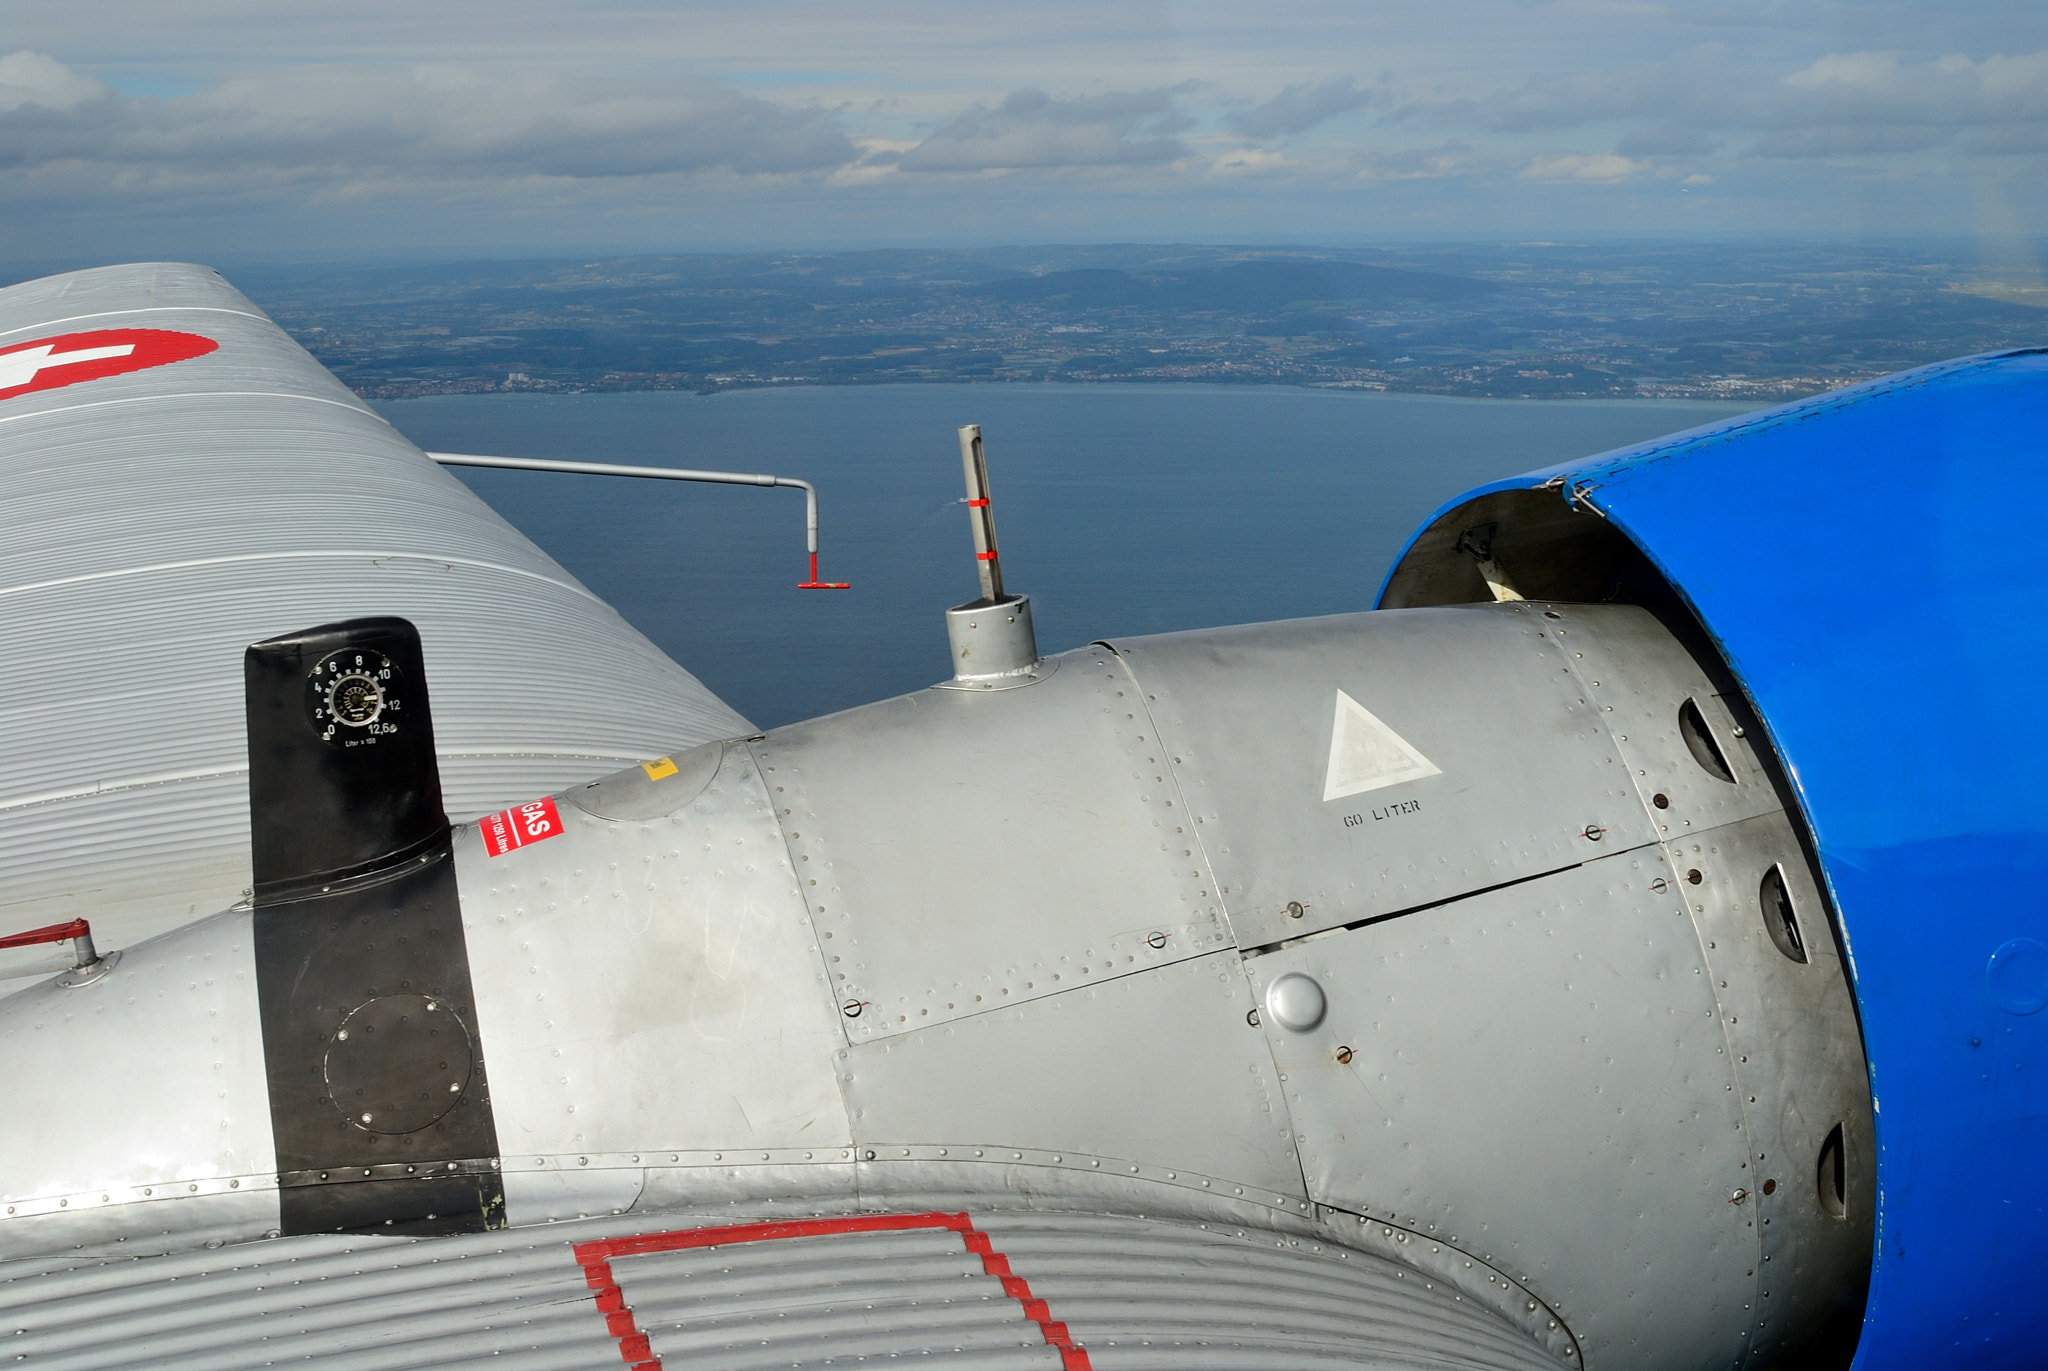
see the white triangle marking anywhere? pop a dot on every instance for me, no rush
(1367, 755)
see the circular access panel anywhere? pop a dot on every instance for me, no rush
(398, 1063)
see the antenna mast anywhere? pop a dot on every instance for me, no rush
(994, 647)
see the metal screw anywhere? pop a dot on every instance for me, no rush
(1344, 1056)
(1661, 801)
(851, 1009)
(1295, 909)
(1592, 833)
(1738, 1197)
(1693, 876)
(1155, 940)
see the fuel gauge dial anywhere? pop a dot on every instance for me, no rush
(355, 697)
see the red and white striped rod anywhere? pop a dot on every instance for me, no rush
(980, 517)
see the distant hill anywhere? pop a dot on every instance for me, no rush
(1758, 321)
(1261, 287)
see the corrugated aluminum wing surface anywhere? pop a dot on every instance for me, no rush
(1036, 1291)
(155, 523)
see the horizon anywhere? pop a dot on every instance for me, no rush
(16, 270)
(1754, 319)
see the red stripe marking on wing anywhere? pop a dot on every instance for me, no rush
(596, 1257)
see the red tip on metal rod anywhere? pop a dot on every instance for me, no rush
(55, 933)
(78, 931)
(815, 584)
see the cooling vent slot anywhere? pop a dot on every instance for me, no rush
(1781, 919)
(1699, 740)
(1831, 1176)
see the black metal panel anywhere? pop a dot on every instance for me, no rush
(379, 1103)
(429, 1207)
(325, 962)
(342, 776)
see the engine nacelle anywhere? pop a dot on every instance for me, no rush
(1479, 937)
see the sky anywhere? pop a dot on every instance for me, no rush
(296, 129)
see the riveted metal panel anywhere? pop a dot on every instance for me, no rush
(1539, 1075)
(158, 522)
(150, 1118)
(1799, 1070)
(1248, 716)
(649, 986)
(962, 851)
(1639, 678)
(1161, 1068)
(653, 790)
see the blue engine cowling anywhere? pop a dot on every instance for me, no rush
(1867, 564)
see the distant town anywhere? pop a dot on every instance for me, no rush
(1526, 320)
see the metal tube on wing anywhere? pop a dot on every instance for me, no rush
(721, 478)
(980, 517)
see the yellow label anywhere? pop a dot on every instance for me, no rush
(658, 768)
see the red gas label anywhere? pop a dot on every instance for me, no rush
(48, 363)
(520, 827)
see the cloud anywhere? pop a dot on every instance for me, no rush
(1600, 168)
(1417, 164)
(1947, 89)
(788, 122)
(1329, 168)
(1254, 162)
(1298, 108)
(1850, 140)
(1671, 90)
(1840, 104)
(1031, 129)
(2009, 140)
(1667, 140)
(423, 124)
(1876, 103)
(33, 78)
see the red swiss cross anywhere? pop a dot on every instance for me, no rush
(48, 363)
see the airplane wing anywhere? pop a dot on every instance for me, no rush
(955, 1290)
(182, 480)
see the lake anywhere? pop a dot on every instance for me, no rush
(1119, 509)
